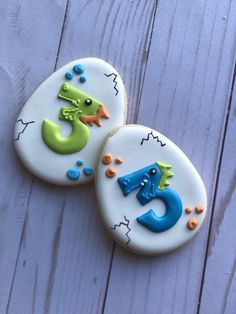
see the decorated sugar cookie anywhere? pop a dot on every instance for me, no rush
(61, 127)
(151, 198)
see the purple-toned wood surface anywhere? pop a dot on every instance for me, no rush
(219, 289)
(28, 50)
(177, 59)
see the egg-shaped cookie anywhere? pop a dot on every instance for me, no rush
(61, 127)
(151, 198)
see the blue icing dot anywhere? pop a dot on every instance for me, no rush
(69, 75)
(73, 174)
(79, 68)
(88, 171)
(82, 79)
(79, 162)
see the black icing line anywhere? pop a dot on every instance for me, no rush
(154, 137)
(125, 224)
(25, 126)
(114, 80)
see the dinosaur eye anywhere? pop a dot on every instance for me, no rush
(88, 102)
(152, 171)
(65, 88)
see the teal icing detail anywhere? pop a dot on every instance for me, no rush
(82, 79)
(79, 68)
(147, 180)
(79, 162)
(69, 75)
(73, 174)
(88, 171)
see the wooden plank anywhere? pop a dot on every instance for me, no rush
(27, 56)
(185, 96)
(117, 31)
(219, 286)
(65, 253)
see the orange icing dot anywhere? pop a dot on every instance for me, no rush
(188, 210)
(192, 223)
(119, 160)
(199, 208)
(107, 158)
(111, 172)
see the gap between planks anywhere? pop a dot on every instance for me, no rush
(215, 188)
(32, 181)
(148, 40)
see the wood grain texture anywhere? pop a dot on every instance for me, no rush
(117, 31)
(185, 96)
(219, 286)
(23, 28)
(65, 253)
(176, 58)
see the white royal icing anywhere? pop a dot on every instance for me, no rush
(103, 83)
(139, 147)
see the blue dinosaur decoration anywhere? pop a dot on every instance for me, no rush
(152, 182)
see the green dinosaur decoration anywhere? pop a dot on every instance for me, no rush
(84, 109)
(166, 174)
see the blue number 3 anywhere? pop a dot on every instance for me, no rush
(152, 182)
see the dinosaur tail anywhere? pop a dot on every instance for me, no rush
(73, 143)
(173, 212)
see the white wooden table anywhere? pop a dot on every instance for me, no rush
(177, 59)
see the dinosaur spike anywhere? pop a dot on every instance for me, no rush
(170, 174)
(163, 165)
(166, 174)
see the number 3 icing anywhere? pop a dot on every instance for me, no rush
(67, 118)
(84, 110)
(152, 182)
